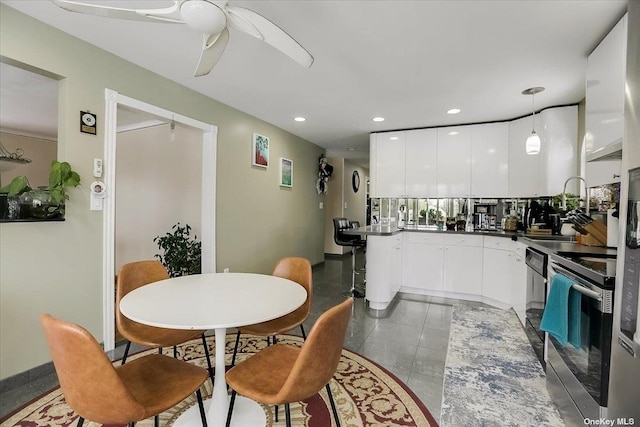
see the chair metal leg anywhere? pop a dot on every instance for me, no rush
(287, 414)
(126, 353)
(159, 350)
(80, 422)
(304, 336)
(175, 351)
(235, 350)
(333, 405)
(156, 421)
(206, 353)
(233, 400)
(276, 410)
(203, 415)
(353, 291)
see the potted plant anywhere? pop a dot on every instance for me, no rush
(182, 254)
(45, 201)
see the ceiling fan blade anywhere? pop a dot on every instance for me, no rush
(260, 27)
(169, 14)
(212, 47)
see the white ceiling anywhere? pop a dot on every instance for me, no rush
(407, 61)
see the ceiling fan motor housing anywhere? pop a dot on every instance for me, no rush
(204, 16)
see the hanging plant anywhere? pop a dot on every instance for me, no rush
(181, 253)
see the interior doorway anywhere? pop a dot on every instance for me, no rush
(126, 115)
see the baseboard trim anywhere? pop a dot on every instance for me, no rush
(26, 377)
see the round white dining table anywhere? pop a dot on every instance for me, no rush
(215, 301)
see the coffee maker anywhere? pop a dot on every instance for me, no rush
(485, 216)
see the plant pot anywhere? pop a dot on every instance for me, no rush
(39, 204)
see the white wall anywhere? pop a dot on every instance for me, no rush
(168, 181)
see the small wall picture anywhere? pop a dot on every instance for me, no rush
(260, 150)
(286, 172)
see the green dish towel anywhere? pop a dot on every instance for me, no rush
(561, 317)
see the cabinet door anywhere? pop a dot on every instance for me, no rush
(389, 165)
(422, 266)
(518, 285)
(524, 170)
(603, 172)
(454, 161)
(496, 277)
(463, 269)
(559, 151)
(421, 149)
(604, 117)
(489, 160)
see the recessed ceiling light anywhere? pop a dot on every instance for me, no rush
(351, 149)
(394, 138)
(299, 119)
(453, 111)
(378, 119)
(453, 133)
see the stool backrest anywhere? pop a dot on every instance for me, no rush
(339, 225)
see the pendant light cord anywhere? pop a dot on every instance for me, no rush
(533, 109)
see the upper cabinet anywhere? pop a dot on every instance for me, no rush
(421, 155)
(489, 160)
(605, 91)
(604, 121)
(454, 161)
(485, 160)
(387, 164)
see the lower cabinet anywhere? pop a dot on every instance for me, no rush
(384, 269)
(463, 265)
(519, 281)
(438, 263)
(496, 279)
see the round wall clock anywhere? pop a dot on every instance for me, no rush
(355, 181)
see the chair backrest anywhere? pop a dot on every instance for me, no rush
(319, 356)
(354, 224)
(87, 378)
(299, 270)
(339, 225)
(132, 276)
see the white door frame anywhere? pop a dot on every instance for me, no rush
(209, 149)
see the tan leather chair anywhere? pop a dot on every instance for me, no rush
(298, 270)
(97, 391)
(282, 374)
(132, 276)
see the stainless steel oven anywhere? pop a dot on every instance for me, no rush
(536, 298)
(584, 371)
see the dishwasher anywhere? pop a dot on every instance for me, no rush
(537, 263)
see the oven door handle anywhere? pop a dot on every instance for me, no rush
(603, 296)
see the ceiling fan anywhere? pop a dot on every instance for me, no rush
(209, 17)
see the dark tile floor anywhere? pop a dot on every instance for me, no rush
(410, 338)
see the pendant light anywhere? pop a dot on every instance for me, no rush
(533, 141)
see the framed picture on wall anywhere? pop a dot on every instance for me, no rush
(260, 150)
(286, 172)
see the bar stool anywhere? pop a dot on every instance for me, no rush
(341, 224)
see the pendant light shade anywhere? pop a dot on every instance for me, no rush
(533, 141)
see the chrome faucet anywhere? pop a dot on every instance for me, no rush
(564, 191)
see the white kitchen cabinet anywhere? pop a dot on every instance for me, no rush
(463, 264)
(545, 173)
(423, 262)
(603, 172)
(387, 160)
(454, 161)
(421, 148)
(489, 160)
(496, 277)
(518, 285)
(384, 269)
(606, 70)
(559, 153)
(524, 170)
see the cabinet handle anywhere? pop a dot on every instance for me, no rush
(616, 176)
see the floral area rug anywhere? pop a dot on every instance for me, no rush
(366, 395)
(492, 376)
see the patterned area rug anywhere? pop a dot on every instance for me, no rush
(366, 395)
(492, 376)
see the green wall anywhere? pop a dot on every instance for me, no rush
(57, 267)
